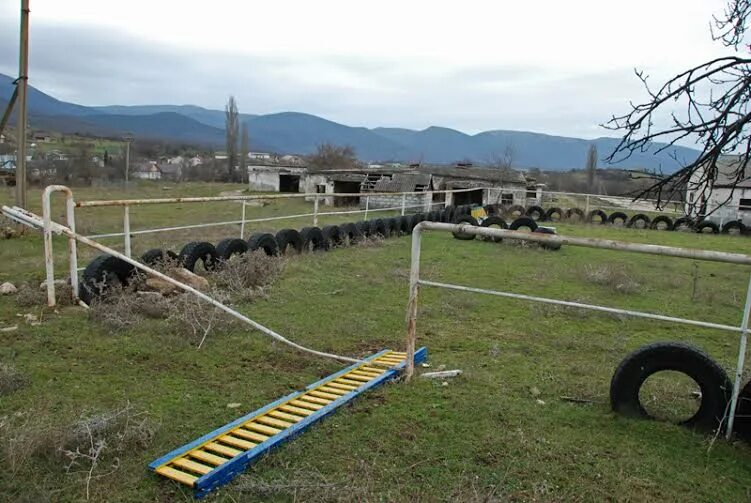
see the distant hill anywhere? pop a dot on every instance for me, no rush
(300, 133)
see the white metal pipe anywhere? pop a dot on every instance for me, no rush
(414, 287)
(49, 263)
(592, 307)
(315, 211)
(367, 204)
(742, 345)
(126, 230)
(242, 221)
(70, 217)
(404, 203)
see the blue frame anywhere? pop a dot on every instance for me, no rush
(229, 470)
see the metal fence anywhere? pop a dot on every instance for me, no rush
(670, 251)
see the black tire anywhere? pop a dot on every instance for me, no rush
(742, 423)
(595, 214)
(734, 227)
(515, 211)
(378, 228)
(491, 209)
(230, 246)
(364, 227)
(264, 241)
(312, 239)
(155, 257)
(575, 214)
(639, 217)
(464, 209)
(465, 219)
(661, 219)
(548, 246)
(405, 223)
(536, 212)
(289, 239)
(702, 227)
(683, 224)
(494, 221)
(522, 222)
(332, 235)
(449, 212)
(434, 216)
(618, 218)
(350, 233)
(554, 212)
(395, 226)
(414, 220)
(647, 360)
(102, 274)
(198, 251)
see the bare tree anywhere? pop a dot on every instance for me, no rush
(591, 168)
(330, 156)
(231, 128)
(244, 149)
(714, 112)
(504, 161)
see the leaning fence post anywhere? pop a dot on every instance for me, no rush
(315, 211)
(126, 229)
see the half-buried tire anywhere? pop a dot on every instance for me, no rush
(264, 241)
(350, 234)
(198, 253)
(378, 228)
(332, 235)
(230, 246)
(597, 217)
(661, 223)
(464, 219)
(734, 227)
(678, 357)
(683, 224)
(575, 215)
(289, 240)
(618, 218)
(156, 257)
(515, 211)
(536, 212)
(554, 214)
(639, 221)
(103, 274)
(496, 222)
(312, 239)
(523, 224)
(548, 246)
(364, 227)
(707, 227)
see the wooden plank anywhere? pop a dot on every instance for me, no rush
(348, 382)
(335, 391)
(287, 417)
(314, 399)
(262, 428)
(208, 457)
(323, 394)
(276, 423)
(355, 377)
(236, 442)
(177, 475)
(340, 386)
(192, 466)
(296, 410)
(222, 449)
(306, 405)
(250, 435)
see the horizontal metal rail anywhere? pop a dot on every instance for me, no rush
(606, 244)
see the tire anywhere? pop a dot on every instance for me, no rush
(618, 216)
(640, 217)
(683, 224)
(647, 360)
(364, 227)
(554, 211)
(265, 241)
(332, 235)
(591, 218)
(742, 423)
(230, 246)
(102, 274)
(574, 214)
(155, 256)
(405, 223)
(536, 212)
(289, 239)
(464, 209)
(548, 246)
(350, 233)
(512, 211)
(469, 219)
(491, 209)
(706, 224)
(734, 227)
(522, 222)
(312, 239)
(198, 251)
(434, 216)
(395, 225)
(414, 220)
(494, 221)
(449, 212)
(661, 219)
(378, 228)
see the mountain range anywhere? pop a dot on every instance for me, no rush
(300, 133)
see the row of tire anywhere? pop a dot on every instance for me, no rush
(106, 271)
(714, 384)
(640, 220)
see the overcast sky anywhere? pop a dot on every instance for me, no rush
(551, 66)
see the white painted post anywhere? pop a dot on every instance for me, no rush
(49, 263)
(126, 229)
(741, 361)
(404, 203)
(242, 223)
(315, 211)
(367, 204)
(586, 206)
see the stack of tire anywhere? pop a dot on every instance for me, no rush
(522, 223)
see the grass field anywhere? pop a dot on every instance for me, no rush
(499, 432)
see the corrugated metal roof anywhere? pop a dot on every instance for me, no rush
(726, 175)
(402, 182)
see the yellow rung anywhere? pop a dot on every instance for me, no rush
(323, 394)
(192, 466)
(295, 410)
(277, 423)
(182, 477)
(356, 377)
(349, 382)
(369, 375)
(287, 417)
(306, 405)
(236, 442)
(261, 428)
(338, 392)
(314, 399)
(222, 449)
(375, 370)
(207, 457)
(342, 387)
(250, 435)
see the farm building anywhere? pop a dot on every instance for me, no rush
(722, 202)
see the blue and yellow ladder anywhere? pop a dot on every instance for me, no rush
(217, 457)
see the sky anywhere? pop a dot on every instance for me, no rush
(548, 66)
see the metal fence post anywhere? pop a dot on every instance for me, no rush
(586, 206)
(315, 211)
(49, 263)
(414, 285)
(404, 203)
(126, 229)
(242, 224)
(741, 361)
(72, 245)
(367, 204)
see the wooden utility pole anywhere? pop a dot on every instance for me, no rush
(22, 87)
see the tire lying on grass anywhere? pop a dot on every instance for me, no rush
(465, 219)
(675, 356)
(639, 221)
(156, 256)
(618, 218)
(263, 241)
(554, 214)
(332, 235)
(350, 233)
(734, 227)
(523, 224)
(378, 228)
(707, 227)
(289, 239)
(575, 214)
(405, 224)
(230, 246)
(198, 252)
(102, 274)
(548, 246)
(683, 224)
(395, 225)
(312, 239)
(597, 217)
(536, 212)
(661, 223)
(496, 222)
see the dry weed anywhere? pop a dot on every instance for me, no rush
(246, 277)
(29, 295)
(616, 277)
(10, 379)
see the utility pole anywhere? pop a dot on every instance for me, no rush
(22, 86)
(128, 139)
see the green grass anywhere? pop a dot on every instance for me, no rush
(483, 436)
